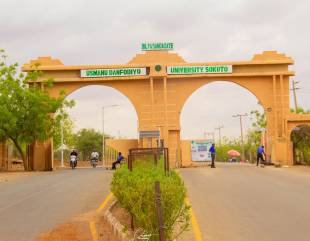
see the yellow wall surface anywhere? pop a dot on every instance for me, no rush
(122, 145)
(186, 153)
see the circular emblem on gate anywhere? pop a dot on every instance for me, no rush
(158, 68)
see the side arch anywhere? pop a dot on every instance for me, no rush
(263, 93)
(261, 101)
(299, 133)
(71, 87)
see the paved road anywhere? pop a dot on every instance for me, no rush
(249, 203)
(37, 203)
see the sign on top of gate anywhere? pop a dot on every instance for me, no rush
(93, 73)
(156, 46)
(206, 69)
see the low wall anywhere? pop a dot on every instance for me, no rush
(186, 156)
(122, 145)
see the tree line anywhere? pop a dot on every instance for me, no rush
(27, 112)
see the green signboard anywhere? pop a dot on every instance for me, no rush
(156, 46)
(95, 73)
(204, 69)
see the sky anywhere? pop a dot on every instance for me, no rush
(110, 32)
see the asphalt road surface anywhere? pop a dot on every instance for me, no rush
(32, 205)
(237, 202)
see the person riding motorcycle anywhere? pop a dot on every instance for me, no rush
(74, 153)
(94, 156)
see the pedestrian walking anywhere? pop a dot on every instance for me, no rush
(260, 155)
(212, 151)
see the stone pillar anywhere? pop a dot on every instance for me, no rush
(174, 146)
(41, 158)
(4, 156)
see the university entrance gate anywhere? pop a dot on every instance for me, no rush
(158, 82)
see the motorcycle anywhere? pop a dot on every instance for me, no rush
(73, 161)
(93, 162)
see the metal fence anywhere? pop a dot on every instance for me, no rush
(155, 155)
(110, 156)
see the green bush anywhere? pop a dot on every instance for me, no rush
(135, 191)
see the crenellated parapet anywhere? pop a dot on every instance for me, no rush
(40, 62)
(272, 56)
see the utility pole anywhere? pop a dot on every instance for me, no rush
(294, 88)
(219, 129)
(241, 130)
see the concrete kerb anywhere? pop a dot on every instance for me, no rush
(118, 228)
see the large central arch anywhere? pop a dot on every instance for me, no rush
(165, 81)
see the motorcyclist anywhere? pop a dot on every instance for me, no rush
(74, 153)
(94, 156)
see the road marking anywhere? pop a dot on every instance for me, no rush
(92, 224)
(104, 203)
(195, 224)
(93, 230)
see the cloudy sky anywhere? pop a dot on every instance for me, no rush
(107, 32)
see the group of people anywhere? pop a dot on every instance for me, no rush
(260, 156)
(259, 160)
(95, 156)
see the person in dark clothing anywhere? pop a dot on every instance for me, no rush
(118, 160)
(212, 151)
(74, 153)
(260, 155)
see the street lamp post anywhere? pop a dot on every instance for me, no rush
(62, 142)
(103, 135)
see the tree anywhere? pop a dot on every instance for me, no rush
(68, 134)
(86, 140)
(301, 139)
(300, 110)
(301, 143)
(254, 135)
(260, 120)
(26, 112)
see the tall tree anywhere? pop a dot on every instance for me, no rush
(260, 120)
(26, 113)
(301, 140)
(86, 140)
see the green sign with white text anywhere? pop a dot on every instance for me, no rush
(156, 46)
(204, 69)
(96, 73)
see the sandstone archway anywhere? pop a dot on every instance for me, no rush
(160, 82)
